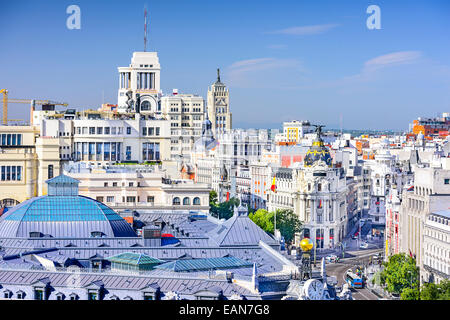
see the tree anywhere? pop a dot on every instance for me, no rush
(410, 294)
(223, 210)
(263, 219)
(431, 291)
(288, 224)
(400, 272)
(212, 197)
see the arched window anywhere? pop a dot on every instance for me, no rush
(176, 201)
(145, 105)
(196, 201)
(186, 201)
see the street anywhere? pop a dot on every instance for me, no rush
(358, 258)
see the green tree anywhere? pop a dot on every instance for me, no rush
(212, 197)
(263, 219)
(431, 291)
(288, 224)
(223, 210)
(410, 294)
(400, 272)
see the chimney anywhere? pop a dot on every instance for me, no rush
(152, 236)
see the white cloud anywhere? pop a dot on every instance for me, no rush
(306, 30)
(391, 59)
(248, 73)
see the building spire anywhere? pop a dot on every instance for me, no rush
(218, 75)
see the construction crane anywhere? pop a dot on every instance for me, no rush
(46, 104)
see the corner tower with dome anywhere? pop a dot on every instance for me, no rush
(321, 202)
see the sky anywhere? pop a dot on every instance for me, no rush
(282, 60)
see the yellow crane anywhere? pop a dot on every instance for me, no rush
(46, 104)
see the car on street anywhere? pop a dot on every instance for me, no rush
(364, 245)
(332, 258)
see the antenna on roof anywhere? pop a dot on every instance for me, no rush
(145, 29)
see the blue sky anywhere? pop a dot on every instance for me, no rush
(282, 60)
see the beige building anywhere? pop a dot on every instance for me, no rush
(138, 187)
(219, 107)
(431, 193)
(26, 161)
(186, 113)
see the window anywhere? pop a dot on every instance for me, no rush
(186, 201)
(128, 130)
(105, 184)
(130, 184)
(100, 130)
(128, 153)
(50, 171)
(93, 295)
(11, 173)
(39, 294)
(91, 130)
(114, 184)
(110, 199)
(144, 131)
(20, 295)
(151, 199)
(446, 181)
(149, 296)
(176, 201)
(107, 129)
(6, 294)
(196, 201)
(131, 199)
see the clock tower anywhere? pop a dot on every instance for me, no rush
(219, 106)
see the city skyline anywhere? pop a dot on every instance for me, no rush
(316, 62)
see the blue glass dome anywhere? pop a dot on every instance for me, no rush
(63, 214)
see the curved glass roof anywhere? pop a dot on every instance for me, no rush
(63, 217)
(62, 208)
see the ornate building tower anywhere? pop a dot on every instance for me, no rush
(322, 197)
(140, 82)
(219, 106)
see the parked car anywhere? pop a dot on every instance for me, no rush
(332, 258)
(364, 245)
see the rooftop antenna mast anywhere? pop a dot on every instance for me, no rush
(145, 29)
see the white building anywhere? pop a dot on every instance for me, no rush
(316, 192)
(436, 245)
(101, 140)
(141, 77)
(186, 113)
(138, 187)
